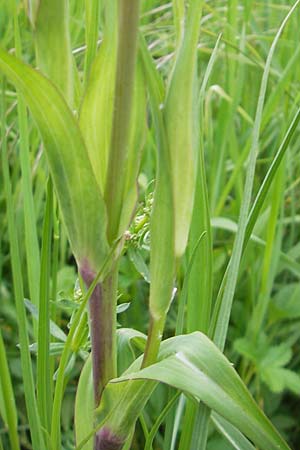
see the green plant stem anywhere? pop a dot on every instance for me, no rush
(102, 307)
(126, 62)
(156, 329)
(60, 382)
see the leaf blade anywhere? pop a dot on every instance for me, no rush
(70, 166)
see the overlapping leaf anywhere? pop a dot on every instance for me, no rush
(79, 196)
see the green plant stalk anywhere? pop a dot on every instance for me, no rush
(44, 378)
(155, 332)
(178, 12)
(126, 62)
(60, 382)
(8, 397)
(103, 324)
(31, 404)
(116, 430)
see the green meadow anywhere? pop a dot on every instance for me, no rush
(149, 225)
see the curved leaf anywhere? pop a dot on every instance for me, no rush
(193, 364)
(80, 200)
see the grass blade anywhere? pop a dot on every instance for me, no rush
(8, 408)
(231, 279)
(29, 388)
(31, 237)
(44, 378)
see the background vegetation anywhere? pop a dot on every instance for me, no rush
(264, 331)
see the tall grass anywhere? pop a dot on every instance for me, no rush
(149, 175)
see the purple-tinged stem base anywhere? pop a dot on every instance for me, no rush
(106, 440)
(102, 307)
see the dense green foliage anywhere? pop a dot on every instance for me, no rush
(209, 242)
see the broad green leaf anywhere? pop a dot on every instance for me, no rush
(80, 200)
(193, 364)
(53, 44)
(96, 118)
(182, 126)
(97, 107)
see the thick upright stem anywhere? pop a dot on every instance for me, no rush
(124, 85)
(103, 329)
